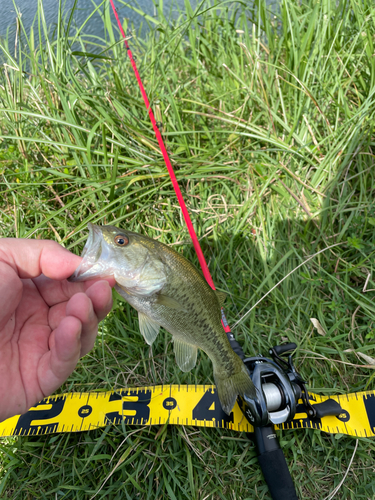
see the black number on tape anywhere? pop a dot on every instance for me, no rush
(25, 426)
(209, 408)
(133, 412)
(169, 403)
(344, 416)
(85, 411)
(369, 401)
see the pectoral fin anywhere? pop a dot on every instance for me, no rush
(186, 355)
(166, 301)
(149, 328)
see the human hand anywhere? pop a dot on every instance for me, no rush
(46, 323)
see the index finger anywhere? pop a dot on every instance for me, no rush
(54, 292)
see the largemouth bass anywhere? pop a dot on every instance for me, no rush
(168, 291)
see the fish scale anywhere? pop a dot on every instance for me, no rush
(167, 290)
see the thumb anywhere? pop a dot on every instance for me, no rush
(31, 258)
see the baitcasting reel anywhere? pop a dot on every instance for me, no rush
(279, 387)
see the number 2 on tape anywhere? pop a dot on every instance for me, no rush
(40, 412)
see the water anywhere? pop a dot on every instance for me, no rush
(28, 9)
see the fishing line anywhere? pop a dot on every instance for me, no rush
(185, 213)
(202, 260)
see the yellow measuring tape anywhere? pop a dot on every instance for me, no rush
(179, 405)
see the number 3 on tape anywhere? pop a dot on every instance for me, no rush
(135, 407)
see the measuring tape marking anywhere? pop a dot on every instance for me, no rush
(196, 405)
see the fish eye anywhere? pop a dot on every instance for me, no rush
(121, 240)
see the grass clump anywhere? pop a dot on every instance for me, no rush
(268, 117)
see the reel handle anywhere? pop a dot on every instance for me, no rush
(273, 464)
(281, 349)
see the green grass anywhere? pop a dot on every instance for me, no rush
(269, 121)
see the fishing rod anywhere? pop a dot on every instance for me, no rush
(278, 384)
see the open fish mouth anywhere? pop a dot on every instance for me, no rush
(94, 256)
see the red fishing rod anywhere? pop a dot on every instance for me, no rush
(271, 458)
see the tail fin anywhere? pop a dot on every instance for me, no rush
(228, 388)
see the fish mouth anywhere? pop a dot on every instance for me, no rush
(94, 257)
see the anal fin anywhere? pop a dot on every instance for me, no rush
(186, 355)
(149, 328)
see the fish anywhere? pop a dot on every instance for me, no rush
(168, 291)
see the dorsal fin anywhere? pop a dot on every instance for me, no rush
(221, 296)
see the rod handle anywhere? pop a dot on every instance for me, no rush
(273, 464)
